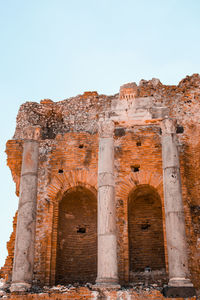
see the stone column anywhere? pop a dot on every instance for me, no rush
(107, 242)
(174, 212)
(25, 234)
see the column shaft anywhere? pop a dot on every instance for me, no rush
(107, 241)
(174, 212)
(25, 233)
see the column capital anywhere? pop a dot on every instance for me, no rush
(106, 128)
(32, 133)
(168, 126)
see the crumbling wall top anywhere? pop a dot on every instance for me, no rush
(148, 100)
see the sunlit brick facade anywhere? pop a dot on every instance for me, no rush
(104, 207)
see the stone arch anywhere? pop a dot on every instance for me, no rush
(64, 181)
(77, 237)
(134, 179)
(146, 241)
(60, 184)
(124, 186)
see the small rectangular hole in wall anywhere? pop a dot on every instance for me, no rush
(135, 168)
(120, 131)
(60, 171)
(81, 230)
(81, 146)
(138, 144)
(145, 226)
(179, 129)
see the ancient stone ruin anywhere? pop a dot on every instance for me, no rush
(109, 195)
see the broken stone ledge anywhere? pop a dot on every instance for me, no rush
(137, 291)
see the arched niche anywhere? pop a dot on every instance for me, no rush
(145, 230)
(76, 259)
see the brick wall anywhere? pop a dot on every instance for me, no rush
(146, 244)
(139, 149)
(71, 164)
(6, 270)
(77, 237)
(69, 158)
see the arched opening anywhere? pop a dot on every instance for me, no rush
(77, 237)
(145, 226)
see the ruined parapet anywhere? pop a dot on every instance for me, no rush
(128, 91)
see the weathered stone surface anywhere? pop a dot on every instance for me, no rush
(179, 292)
(107, 241)
(68, 160)
(66, 292)
(23, 265)
(174, 213)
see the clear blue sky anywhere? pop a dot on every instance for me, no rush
(60, 48)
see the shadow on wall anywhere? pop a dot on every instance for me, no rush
(145, 228)
(77, 237)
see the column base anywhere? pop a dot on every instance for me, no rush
(107, 283)
(20, 287)
(179, 291)
(182, 282)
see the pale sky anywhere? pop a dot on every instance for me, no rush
(60, 48)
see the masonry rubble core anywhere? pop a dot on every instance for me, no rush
(109, 195)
